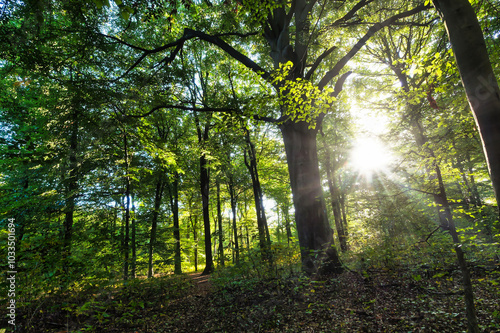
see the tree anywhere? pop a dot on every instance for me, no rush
(160, 186)
(478, 78)
(304, 99)
(250, 157)
(203, 136)
(397, 55)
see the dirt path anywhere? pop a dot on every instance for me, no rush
(202, 282)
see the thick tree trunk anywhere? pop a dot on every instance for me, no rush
(477, 75)
(154, 222)
(318, 252)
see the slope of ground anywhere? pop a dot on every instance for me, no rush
(381, 301)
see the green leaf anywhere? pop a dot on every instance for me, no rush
(98, 3)
(125, 14)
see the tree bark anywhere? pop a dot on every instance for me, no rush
(344, 214)
(475, 191)
(441, 200)
(232, 194)
(335, 200)
(203, 135)
(174, 206)
(194, 227)
(263, 228)
(133, 242)
(477, 76)
(126, 240)
(317, 247)
(154, 222)
(286, 217)
(71, 189)
(204, 186)
(472, 325)
(219, 220)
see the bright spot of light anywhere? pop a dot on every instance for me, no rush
(369, 155)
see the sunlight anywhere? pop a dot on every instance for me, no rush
(370, 155)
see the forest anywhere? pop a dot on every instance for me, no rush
(249, 166)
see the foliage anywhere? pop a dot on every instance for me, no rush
(103, 105)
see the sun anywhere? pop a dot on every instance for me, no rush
(369, 155)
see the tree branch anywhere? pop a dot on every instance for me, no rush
(124, 42)
(235, 54)
(336, 91)
(339, 85)
(268, 119)
(318, 62)
(181, 107)
(430, 235)
(237, 34)
(371, 31)
(193, 108)
(191, 34)
(178, 45)
(352, 12)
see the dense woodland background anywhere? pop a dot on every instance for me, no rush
(144, 140)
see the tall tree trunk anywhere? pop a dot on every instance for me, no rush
(219, 220)
(317, 246)
(194, 226)
(232, 194)
(113, 228)
(444, 209)
(475, 191)
(263, 228)
(478, 78)
(174, 206)
(127, 211)
(134, 253)
(215, 239)
(154, 222)
(286, 218)
(247, 237)
(231, 242)
(469, 197)
(472, 324)
(335, 199)
(344, 214)
(204, 188)
(447, 223)
(71, 190)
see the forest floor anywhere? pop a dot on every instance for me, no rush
(373, 301)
